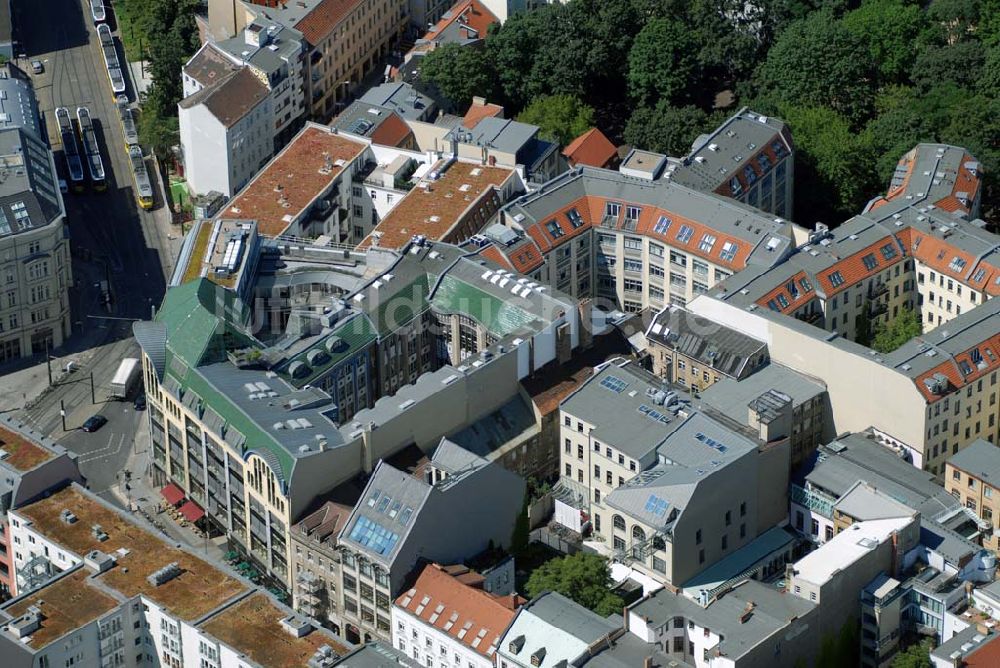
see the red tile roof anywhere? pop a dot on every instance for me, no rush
(470, 615)
(852, 268)
(795, 301)
(293, 179)
(493, 253)
(986, 655)
(321, 21)
(393, 131)
(989, 354)
(478, 112)
(591, 148)
(471, 13)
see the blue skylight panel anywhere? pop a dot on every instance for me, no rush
(614, 383)
(373, 536)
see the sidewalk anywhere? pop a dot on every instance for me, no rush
(146, 501)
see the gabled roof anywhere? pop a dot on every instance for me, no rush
(479, 110)
(231, 98)
(467, 20)
(471, 616)
(210, 65)
(980, 459)
(323, 18)
(591, 148)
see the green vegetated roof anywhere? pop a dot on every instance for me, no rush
(500, 317)
(198, 316)
(354, 334)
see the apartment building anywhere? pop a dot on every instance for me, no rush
(376, 655)
(316, 562)
(971, 477)
(32, 466)
(226, 132)
(306, 190)
(750, 158)
(465, 23)
(446, 619)
(451, 203)
(34, 244)
(947, 376)
(552, 628)
(653, 477)
(501, 141)
(402, 518)
(777, 402)
(696, 353)
(750, 624)
(123, 596)
(634, 242)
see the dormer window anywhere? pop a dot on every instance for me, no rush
(516, 644)
(538, 657)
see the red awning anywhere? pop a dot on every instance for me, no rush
(173, 494)
(191, 511)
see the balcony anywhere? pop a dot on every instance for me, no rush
(877, 308)
(877, 290)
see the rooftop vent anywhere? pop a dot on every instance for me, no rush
(296, 626)
(165, 574)
(99, 561)
(67, 516)
(27, 623)
(97, 532)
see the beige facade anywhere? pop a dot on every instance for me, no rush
(977, 495)
(36, 271)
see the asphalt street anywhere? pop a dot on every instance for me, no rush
(112, 239)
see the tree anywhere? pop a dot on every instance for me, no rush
(561, 118)
(160, 133)
(914, 656)
(816, 62)
(899, 330)
(460, 73)
(665, 129)
(662, 62)
(961, 64)
(582, 577)
(889, 29)
(834, 167)
(956, 19)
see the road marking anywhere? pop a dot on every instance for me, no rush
(101, 454)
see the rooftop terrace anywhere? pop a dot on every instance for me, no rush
(199, 589)
(253, 627)
(66, 604)
(20, 452)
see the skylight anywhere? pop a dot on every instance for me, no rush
(684, 234)
(662, 225)
(554, 230)
(373, 536)
(574, 218)
(614, 383)
(729, 250)
(957, 264)
(656, 505)
(706, 243)
(869, 261)
(888, 251)
(836, 279)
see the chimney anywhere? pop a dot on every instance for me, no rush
(747, 612)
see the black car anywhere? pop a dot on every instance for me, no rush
(140, 403)
(94, 423)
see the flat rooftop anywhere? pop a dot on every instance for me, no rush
(299, 174)
(846, 548)
(66, 604)
(21, 452)
(253, 627)
(199, 589)
(434, 207)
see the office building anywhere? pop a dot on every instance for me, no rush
(34, 241)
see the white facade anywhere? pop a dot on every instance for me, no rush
(430, 646)
(220, 158)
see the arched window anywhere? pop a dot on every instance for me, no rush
(658, 543)
(619, 522)
(638, 535)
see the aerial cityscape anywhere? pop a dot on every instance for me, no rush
(499, 333)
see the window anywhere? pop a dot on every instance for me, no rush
(684, 234)
(632, 212)
(743, 509)
(836, 279)
(678, 258)
(656, 250)
(697, 537)
(554, 230)
(619, 522)
(749, 175)
(869, 261)
(735, 186)
(699, 267)
(957, 264)
(707, 243)
(574, 218)
(662, 225)
(729, 250)
(888, 251)
(612, 210)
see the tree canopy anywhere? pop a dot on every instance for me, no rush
(582, 577)
(561, 118)
(899, 330)
(914, 656)
(868, 77)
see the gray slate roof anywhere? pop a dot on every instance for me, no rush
(712, 344)
(980, 459)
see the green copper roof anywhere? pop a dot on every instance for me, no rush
(399, 307)
(501, 318)
(198, 316)
(355, 334)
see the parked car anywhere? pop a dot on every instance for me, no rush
(94, 423)
(37, 67)
(140, 402)
(63, 187)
